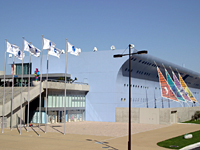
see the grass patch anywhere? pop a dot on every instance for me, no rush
(192, 121)
(180, 141)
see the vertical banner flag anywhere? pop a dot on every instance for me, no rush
(48, 44)
(11, 48)
(174, 88)
(55, 52)
(73, 50)
(187, 90)
(178, 85)
(165, 88)
(31, 49)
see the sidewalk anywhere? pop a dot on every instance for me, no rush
(92, 136)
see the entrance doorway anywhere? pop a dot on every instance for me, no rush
(173, 117)
(52, 118)
(61, 116)
(76, 115)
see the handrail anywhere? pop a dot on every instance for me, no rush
(52, 80)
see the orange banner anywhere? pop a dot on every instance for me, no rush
(165, 88)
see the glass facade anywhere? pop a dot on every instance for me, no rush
(71, 101)
(75, 107)
(18, 67)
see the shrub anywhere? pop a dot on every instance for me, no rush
(196, 116)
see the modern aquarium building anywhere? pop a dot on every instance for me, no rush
(98, 87)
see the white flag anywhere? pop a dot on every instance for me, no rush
(19, 55)
(11, 48)
(26, 46)
(73, 50)
(48, 44)
(55, 52)
(31, 49)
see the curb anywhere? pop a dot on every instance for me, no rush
(191, 146)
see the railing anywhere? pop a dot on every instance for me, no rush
(61, 81)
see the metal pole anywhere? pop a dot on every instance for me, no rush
(4, 88)
(129, 142)
(65, 86)
(155, 99)
(12, 93)
(29, 78)
(21, 87)
(46, 91)
(147, 99)
(168, 103)
(40, 86)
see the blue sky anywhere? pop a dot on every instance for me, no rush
(168, 29)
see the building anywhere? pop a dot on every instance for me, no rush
(103, 86)
(108, 80)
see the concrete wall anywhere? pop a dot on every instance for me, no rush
(156, 115)
(150, 116)
(122, 114)
(69, 86)
(164, 115)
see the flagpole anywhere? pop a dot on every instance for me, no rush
(65, 86)
(40, 85)
(46, 91)
(4, 88)
(12, 91)
(29, 78)
(21, 88)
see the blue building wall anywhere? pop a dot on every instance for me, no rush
(100, 70)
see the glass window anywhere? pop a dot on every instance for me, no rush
(50, 101)
(70, 101)
(79, 101)
(25, 68)
(53, 101)
(84, 101)
(73, 101)
(57, 100)
(67, 101)
(61, 101)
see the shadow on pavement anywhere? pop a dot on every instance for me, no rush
(53, 127)
(34, 130)
(105, 144)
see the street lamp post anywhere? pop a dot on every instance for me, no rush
(130, 55)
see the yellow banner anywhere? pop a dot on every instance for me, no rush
(187, 90)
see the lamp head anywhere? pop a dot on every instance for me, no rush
(95, 49)
(62, 52)
(142, 52)
(132, 46)
(117, 55)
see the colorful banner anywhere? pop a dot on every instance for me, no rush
(187, 90)
(165, 88)
(180, 88)
(174, 88)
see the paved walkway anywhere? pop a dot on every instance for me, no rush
(92, 136)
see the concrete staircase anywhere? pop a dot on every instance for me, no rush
(34, 92)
